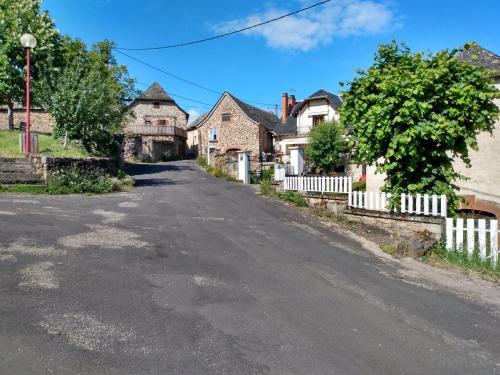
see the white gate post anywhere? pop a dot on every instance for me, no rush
(297, 160)
(244, 166)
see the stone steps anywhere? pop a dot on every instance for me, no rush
(18, 171)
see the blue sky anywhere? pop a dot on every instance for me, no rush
(313, 50)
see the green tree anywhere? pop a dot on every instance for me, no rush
(327, 146)
(16, 18)
(412, 114)
(89, 99)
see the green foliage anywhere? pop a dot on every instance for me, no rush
(266, 187)
(76, 181)
(88, 102)
(201, 161)
(9, 146)
(359, 186)
(439, 255)
(294, 197)
(412, 114)
(17, 18)
(267, 174)
(326, 146)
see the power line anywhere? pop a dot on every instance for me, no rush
(225, 34)
(182, 79)
(182, 97)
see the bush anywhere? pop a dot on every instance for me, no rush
(295, 197)
(78, 180)
(267, 174)
(266, 187)
(359, 186)
(201, 161)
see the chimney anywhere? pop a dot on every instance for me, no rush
(291, 104)
(284, 107)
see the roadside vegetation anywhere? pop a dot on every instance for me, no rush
(215, 171)
(266, 188)
(9, 146)
(439, 256)
(76, 181)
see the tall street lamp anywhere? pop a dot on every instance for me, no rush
(28, 41)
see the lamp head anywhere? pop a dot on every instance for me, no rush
(28, 41)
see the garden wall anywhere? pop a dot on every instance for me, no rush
(47, 164)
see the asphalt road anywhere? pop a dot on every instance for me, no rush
(188, 274)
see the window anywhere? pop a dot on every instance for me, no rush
(156, 104)
(161, 122)
(147, 122)
(226, 117)
(318, 119)
(213, 134)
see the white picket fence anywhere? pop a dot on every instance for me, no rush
(419, 204)
(483, 236)
(319, 184)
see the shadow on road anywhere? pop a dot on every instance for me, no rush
(142, 169)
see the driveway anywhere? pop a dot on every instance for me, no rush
(188, 274)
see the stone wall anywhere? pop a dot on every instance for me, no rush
(167, 111)
(41, 121)
(239, 133)
(45, 164)
(131, 147)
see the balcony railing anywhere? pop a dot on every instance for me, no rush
(156, 130)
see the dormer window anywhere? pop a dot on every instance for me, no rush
(156, 104)
(226, 117)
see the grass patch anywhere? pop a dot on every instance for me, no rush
(9, 146)
(76, 181)
(440, 256)
(389, 249)
(215, 171)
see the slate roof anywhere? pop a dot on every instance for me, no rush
(476, 55)
(266, 119)
(334, 99)
(198, 120)
(155, 93)
(290, 126)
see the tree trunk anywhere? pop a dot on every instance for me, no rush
(66, 139)
(10, 114)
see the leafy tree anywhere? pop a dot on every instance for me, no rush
(16, 18)
(326, 146)
(90, 96)
(412, 114)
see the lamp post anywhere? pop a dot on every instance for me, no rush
(28, 41)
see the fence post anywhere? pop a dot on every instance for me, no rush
(403, 203)
(481, 224)
(349, 186)
(444, 206)
(470, 237)
(460, 235)
(449, 234)
(494, 242)
(417, 204)
(434, 205)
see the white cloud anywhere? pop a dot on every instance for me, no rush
(317, 26)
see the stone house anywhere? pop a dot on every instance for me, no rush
(482, 187)
(233, 125)
(192, 136)
(40, 120)
(297, 120)
(155, 128)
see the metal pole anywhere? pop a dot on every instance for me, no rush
(27, 133)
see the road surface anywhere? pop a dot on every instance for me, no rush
(187, 274)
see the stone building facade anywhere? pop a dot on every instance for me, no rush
(155, 128)
(233, 125)
(40, 120)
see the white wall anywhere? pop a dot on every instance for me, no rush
(314, 108)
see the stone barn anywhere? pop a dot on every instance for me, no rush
(155, 128)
